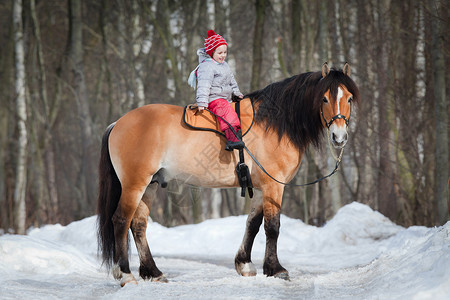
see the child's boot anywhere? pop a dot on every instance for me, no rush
(233, 142)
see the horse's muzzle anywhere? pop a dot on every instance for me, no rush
(338, 137)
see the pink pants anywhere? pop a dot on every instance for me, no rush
(223, 109)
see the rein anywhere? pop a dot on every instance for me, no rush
(338, 158)
(338, 162)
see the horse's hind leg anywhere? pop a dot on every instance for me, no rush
(243, 262)
(126, 208)
(147, 268)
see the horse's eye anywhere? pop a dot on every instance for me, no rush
(325, 100)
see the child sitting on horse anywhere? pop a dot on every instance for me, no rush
(216, 85)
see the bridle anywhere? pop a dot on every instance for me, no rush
(328, 124)
(336, 117)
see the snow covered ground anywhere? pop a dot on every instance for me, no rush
(359, 254)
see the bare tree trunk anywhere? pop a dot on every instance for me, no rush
(6, 101)
(313, 198)
(76, 60)
(49, 117)
(431, 214)
(258, 44)
(333, 28)
(161, 23)
(138, 70)
(123, 94)
(216, 201)
(21, 173)
(103, 10)
(363, 125)
(304, 197)
(387, 203)
(4, 216)
(441, 110)
(323, 33)
(195, 15)
(220, 18)
(308, 35)
(168, 210)
(296, 28)
(197, 211)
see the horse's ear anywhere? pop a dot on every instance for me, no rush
(325, 69)
(346, 69)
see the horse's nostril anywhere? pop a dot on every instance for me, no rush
(337, 139)
(333, 137)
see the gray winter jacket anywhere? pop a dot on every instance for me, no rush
(215, 80)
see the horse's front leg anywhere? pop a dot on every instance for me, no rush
(243, 261)
(272, 197)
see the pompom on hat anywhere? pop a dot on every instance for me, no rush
(213, 41)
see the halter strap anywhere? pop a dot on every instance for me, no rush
(336, 117)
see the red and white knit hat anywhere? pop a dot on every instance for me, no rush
(213, 41)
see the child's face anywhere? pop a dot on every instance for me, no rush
(220, 53)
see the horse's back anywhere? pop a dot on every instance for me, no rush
(149, 115)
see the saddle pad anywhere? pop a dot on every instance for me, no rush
(204, 120)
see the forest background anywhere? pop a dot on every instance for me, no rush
(70, 68)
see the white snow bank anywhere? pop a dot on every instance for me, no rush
(359, 254)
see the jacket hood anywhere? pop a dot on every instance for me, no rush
(202, 55)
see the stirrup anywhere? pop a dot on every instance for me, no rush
(230, 146)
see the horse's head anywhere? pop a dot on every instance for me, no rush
(336, 103)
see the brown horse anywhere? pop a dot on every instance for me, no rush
(151, 145)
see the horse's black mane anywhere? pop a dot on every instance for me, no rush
(292, 106)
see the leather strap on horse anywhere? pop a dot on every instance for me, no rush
(242, 171)
(338, 162)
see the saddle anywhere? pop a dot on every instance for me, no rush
(204, 120)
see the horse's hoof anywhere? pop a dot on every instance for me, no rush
(116, 272)
(161, 278)
(283, 275)
(127, 278)
(246, 269)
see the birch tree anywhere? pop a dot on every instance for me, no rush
(21, 174)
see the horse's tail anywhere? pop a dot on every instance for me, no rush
(108, 198)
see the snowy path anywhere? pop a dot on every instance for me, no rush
(359, 254)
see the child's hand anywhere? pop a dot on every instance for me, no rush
(236, 98)
(201, 108)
